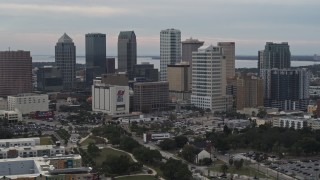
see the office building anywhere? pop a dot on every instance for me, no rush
(49, 79)
(290, 122)
(189, 46)
(19, 142)
(274, 55)
(150, 96)
(27, 103)
(146, 70)
(170, 50)
(209, 79)
(110, 99)
(249, 92)
(111, 65)
(229, 53)
(179, 78)
(15, 72)
(3, 104)
(127, 52)
(95, 56)
(286, 89)
(31, 151)
(65, 57)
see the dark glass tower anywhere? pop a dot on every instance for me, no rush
(127, 52)
(274, 55)
(95, 56)
(65, 56)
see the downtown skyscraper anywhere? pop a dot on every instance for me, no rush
(170, 50)
(65, 57)
(15, 72)
(127, 52)
(95, 56)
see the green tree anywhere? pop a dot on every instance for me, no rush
(128, 144)
(93, 150)
(231, 161)
(262, 113)
(168, 144)
(181, 141)
(146, 155)
(224, 168)
(175, 169)
(189, 153)
(238, 163)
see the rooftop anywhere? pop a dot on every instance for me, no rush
(65, 39)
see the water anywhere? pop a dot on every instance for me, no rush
(156, 62)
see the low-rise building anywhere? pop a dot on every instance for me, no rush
(155, 136)
(31, 151)
(203, 155)
(237, 123)
(11, 116)
(45, 168)
(27, 103)
(20, 142)
(290, 122)
(3, 104)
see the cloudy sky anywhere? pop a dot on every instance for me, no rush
(36, 25)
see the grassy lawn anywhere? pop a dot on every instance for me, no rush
(92, 139)
(141, 177)
(245, 170)
(45, 140)
(108, 152)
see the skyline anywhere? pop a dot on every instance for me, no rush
(37, 25)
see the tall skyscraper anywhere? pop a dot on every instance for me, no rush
(209, 79)
(274, 56)
(189, 46)
(286, 89)
(95, 56)
(65, 55)
(127, 52)
(179, 78)
(15, 72)
(229, 53)
(170, 50)
(249, 91)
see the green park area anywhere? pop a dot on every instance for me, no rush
(45, 140)
(106, 152)
(92, 139)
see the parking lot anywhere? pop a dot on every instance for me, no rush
(308, 169)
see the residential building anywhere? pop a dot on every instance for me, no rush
(230, 58)
(209, 79)
(150, 96)
(237, 123)
(127, 52)
(155, 136)
(179, 78)
(95, 56)
(27, 103)
(189, 46)
(110, 99)
(15, 72)
(11, 116)
(170, 50)
(147, 71)
(111, 66)
(49, 79)
(115, 79)
(274, 55)
(286, 89)
(65, 58)
(249, 91)
(203, 155)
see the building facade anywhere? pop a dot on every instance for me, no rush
(111, 65)
(115, 79)
(95, 56)
(189, 46)
(179, 78)
(170, 50)
(274, 55)
(65, 58)
(49, 78)
(15, 73)
(150, 96)
(249, 92)
(110, 99)
(27, 103)
(147, 71)
(127, 52)
(286, 89)
(11, 116)
(230, 58)
(209, 79)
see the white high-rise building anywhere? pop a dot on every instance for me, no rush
(170, 50)
(209, 79)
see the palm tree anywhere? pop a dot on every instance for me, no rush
(224, 168)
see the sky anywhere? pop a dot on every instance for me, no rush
(36, 25)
